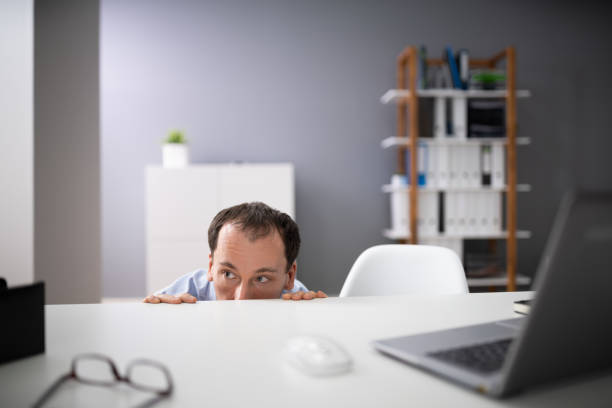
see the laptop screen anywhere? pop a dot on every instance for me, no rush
(568, 331)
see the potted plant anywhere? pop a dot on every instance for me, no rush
(175, 152)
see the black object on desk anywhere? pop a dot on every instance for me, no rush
(22, 318)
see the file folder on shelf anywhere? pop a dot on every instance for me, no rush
(498, 166)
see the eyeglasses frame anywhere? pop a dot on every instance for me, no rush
(72, 375)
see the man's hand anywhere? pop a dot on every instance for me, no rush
(182, 298)
(304, 295)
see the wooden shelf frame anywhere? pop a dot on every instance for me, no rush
(408, 126)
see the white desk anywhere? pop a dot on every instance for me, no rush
(228, 353)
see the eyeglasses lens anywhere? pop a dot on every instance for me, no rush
(95, 371)
(149, 377)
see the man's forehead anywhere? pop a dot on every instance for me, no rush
(235, 246)
(237, 231)
(233, 237)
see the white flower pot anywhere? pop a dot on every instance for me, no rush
(175, 155)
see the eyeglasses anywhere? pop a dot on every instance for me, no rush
(97, 369)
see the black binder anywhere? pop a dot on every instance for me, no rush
(22, 318)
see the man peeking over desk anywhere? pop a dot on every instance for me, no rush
(253, 249)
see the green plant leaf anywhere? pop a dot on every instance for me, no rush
(176, 136)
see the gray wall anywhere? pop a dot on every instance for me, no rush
(67, 246)
(300, 81)
(16, 141)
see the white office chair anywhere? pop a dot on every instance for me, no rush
(405, 269)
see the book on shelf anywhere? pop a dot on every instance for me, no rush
(463, 65)
(455, 72)
(449, 57)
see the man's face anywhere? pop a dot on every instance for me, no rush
(245, 269)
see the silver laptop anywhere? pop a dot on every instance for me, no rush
(568, 331)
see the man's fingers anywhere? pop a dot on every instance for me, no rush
(301, 295)
(175, 300)
(297, 295)
(187, 298)
(309, 295)
(169, 299)
(151, 299)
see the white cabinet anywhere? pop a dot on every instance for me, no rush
(181, 203)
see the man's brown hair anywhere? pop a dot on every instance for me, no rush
(257, 220)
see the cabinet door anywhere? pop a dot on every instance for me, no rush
(167, 261)
(181, 202)
(271, 183)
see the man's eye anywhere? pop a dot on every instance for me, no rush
(229, 275)
(262, 279)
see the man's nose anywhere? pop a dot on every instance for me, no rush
(242, 292)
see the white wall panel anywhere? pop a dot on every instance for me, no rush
(16, 141)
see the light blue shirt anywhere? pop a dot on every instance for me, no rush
(196, 284)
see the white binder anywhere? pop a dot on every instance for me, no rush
(422, 164)
(460, 117)
(450, 213)
(498, 166)
(496, 213)
(474, 166)
(442, 166)
(464, 171)
(482, 225)
(400, 221)
(432, 165)
(453, 163)
(461, 215)
(472, 212)
(428, 205)
(440, 118)
(485, 165)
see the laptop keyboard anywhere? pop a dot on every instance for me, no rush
(484, 358)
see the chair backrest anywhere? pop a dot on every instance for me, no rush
(405, 269)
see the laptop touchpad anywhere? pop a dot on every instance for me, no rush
(516, 323)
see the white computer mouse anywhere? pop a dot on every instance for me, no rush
(317, 356)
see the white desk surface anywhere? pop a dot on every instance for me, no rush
(229, 353)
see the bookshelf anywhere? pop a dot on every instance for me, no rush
(410, 144)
